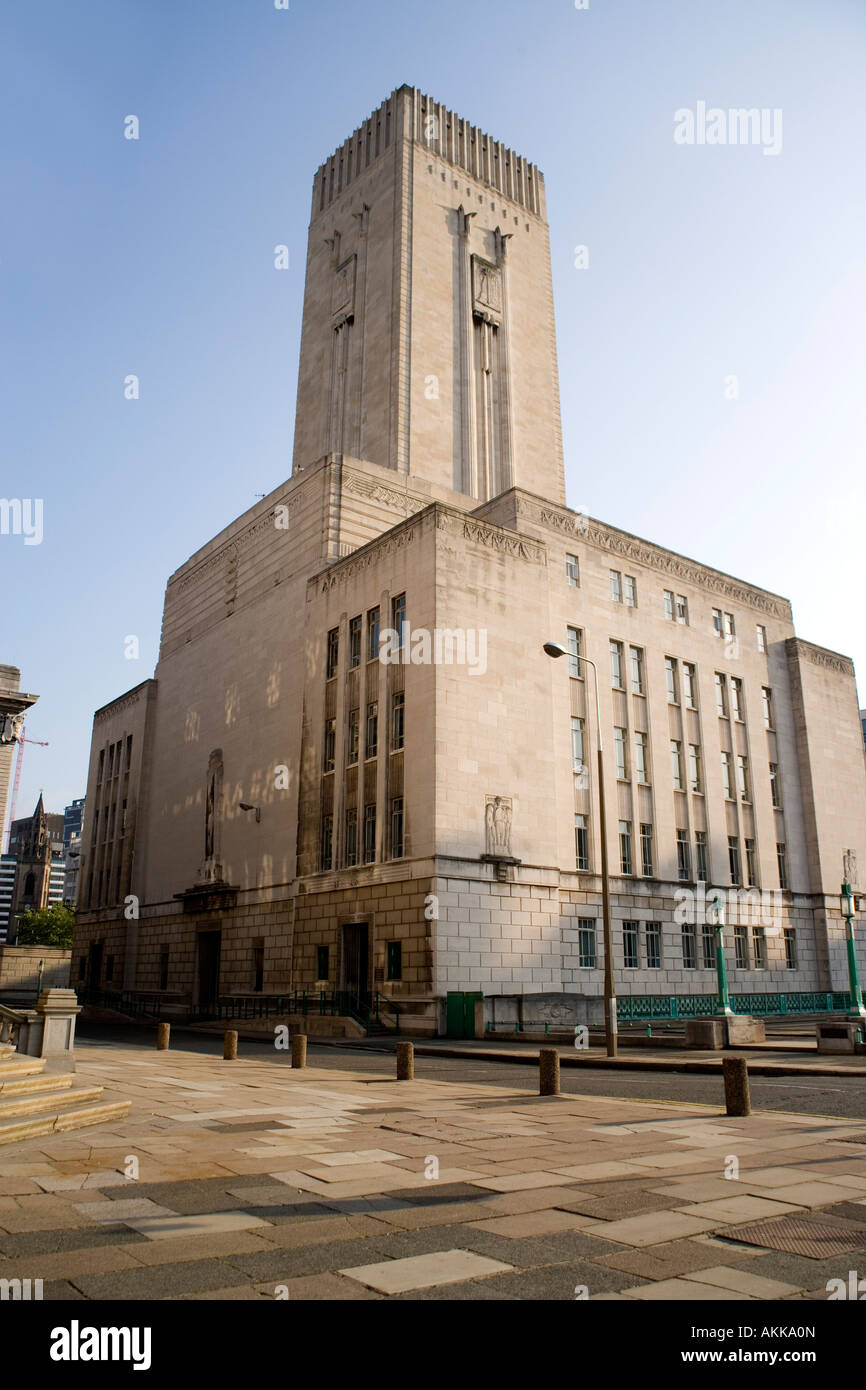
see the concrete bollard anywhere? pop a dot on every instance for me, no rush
(163, 1035)
(548, 1072)
(299, 1050)
(736, 1075)
(230, 1047)
(405, 1061)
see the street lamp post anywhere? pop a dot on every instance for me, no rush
(846, 902)
(555, 650)
(718, 911)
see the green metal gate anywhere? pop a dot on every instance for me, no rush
(460, 1014)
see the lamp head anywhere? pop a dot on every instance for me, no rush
(555, 649)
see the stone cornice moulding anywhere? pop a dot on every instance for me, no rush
(406, 502)
(491, 535)
(228, 552)
(820, 656)
(345, 569)
(117, 706)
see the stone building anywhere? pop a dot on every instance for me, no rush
(36, 842)
(355, 769)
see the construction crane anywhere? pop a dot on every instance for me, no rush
(21, 740)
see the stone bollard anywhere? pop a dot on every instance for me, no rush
(230, 1047)
(299, 1050)
(736, 1076)
(548, 1072)
(163, 1034)
(405, 1061)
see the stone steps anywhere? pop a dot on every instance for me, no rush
(34, 1102)
(13, 1131)
(59, 1098)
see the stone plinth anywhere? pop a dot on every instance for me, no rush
(841, 1035)
(724, 1030)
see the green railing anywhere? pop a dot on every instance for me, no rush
(643, 1007)
(375, 1013)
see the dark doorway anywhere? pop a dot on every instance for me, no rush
(356, 960)
(208, 973)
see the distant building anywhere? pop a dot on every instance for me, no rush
(72, 818)
(14, 704)
(8, 868)
(36, 843)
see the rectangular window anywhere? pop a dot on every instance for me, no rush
(398, 617)
(708, 946)
(630, 591)
(353, 741)
(775, 786)
(669, 605)
(646, 850)
(743, 777)
(371, 742)
(767, 707)
(759, 945)
(572, 570)
(372, 634)
(738, 707)
(578, 745)
(616, 672)
(581, 843)
(677, 764)
(690, 685)
(398, 720)
(734, 858)
(741, 947)
(109, 969)
(672, 681)
(100, 766)
(128, 752)
(690, 961)
(761, 633)
(369, 833)
(782, 861)
(351, 838)
(586, 943)
(701, 855)
(682, 610)
(354, 642)
(653, 943)
(695, 771)
(616, 586)
(397, 827)
(721, 695)
(718, 626)
(575, 648)
(394, 960)
(728, 776)
(322, 962)
(751, 863)
(326, 859)
(330, 744)
(631, 945)
(641, 757)
(333, 651)
(637, 682)
(684, 856)
(730, 630)
(625, 855)
(620, 746)
(163, 968)
(791, 948)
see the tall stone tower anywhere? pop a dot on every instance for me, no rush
(428, 341)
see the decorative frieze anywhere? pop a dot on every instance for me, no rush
(831, 661)
(405, 502)
(345, 571)
(504, 542)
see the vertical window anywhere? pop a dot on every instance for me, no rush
(684, 857)
(641, 757)
(653, 943)
(718, 625)
(620, 744)
(682, 610)
(586, 943)
(727, 776)
(767, 707)
(690, 961)
(372, 634)
(708, 946)
(791, 948)
(352, 742)
(397, 827)
(677, 764)
(100, 766)
(669, 605)
(743, 777)
(398, 617)
(721, 696)
(354, 642)
(572, 570)
(109, 969)
(761, 633)
(369, 833)
(581, 843)
(398, 720)
(326, 860)
(734, 858)
(738, 707)
(625, 856)
(616, 586)
(371, 743)
(730, 630)
(616, 671)
(630, 945)
(128, 751)
(775, 786)
(163, 968)
(351, 838)
(751, 863)
(782, 861)
(695, 771)
(637, 682)
(741, 947)
(671, 681)
(646, 850)
(394, 960)
(630, 591)
(575, 646)
(322, 962)
(333, 651)
(690, 685)
(759, 945)
(330, 744)
(701, 855)
(258, 969)
(577, 744)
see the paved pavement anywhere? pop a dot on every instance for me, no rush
(255, 1181)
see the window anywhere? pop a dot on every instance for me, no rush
(109, 970)
(701, 855)
(741, 947)
(738, 707)
(684, 856)
(761, 633)
(322, 962)
(163, 968)
(616, 586)
(751, 863)
(371, 743)
(718, 626)
(575, 648)
(695, 772)
(690, 685)
(630, 591)
(728, 776)
(637, 683)
(397, 827)
(333, 651)
(398, 617)
(352, 742)
(653, 943)
(586, 943)
(641, 757)
(372, 634)
(646, 850)
(620, 745)
(128, 751)
(743, 777)
(669, 605)
(682, 610)
(723, 623)
(354, 643)
(782, 861)
(616, 671)
(759, 945)
(351, 838)
(767, 707)
(581, 843)
(730, 630)
(326, 857)
(676, 607)
(394, 960)
(791, 948)
(572, 570)
(671, 681)
(577, 744)
(631, 945)
(689, 955)
(677, 764)
(369, 833)
(734, 858)
(398, 720)
(775, 786)
(330, 744)
(625, 858)
(708, 946)
(100, 766)
(721, 696)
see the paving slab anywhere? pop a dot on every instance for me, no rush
(425, 1271)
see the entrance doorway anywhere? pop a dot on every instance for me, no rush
(208, 967)
(356, 960)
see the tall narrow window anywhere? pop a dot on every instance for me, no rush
(625, 854)
(322, 964)
(696, 777)
(371, 742)
(630, 591)
(718, 625)
(637, 681)
(791, 948)
(330, 744)
(646, 850)
(581, 843)
(701, 855)
(333, 651)
(677, 764)
(326, 860)
(641, 757)
(767, 707)
(369, 833)
(354, 642)
(672, 681)
(751, 863)
(630, 945)
(741, 947)
(351, 838)
(690, 685)
(782, 861)
(669, 605)
(620, 745)
(353, 740)
(575, 647)
(689, 954)
(734, 859)
(616, 672)
(653, 943)
(586, 943)
(397, 827)
(721, 695)
(394, 960)
(398, 720)
(761, 633)
(398, 617)
(743, 777)
(578, 745)
(728, 776)
(372, 634)
(572, 570)
(759, 946)
(708, 946)
(775, 786)
(616, 586)
(684, 858)
(738, 707)
(682, 610)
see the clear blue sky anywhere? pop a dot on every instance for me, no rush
(155, 257)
